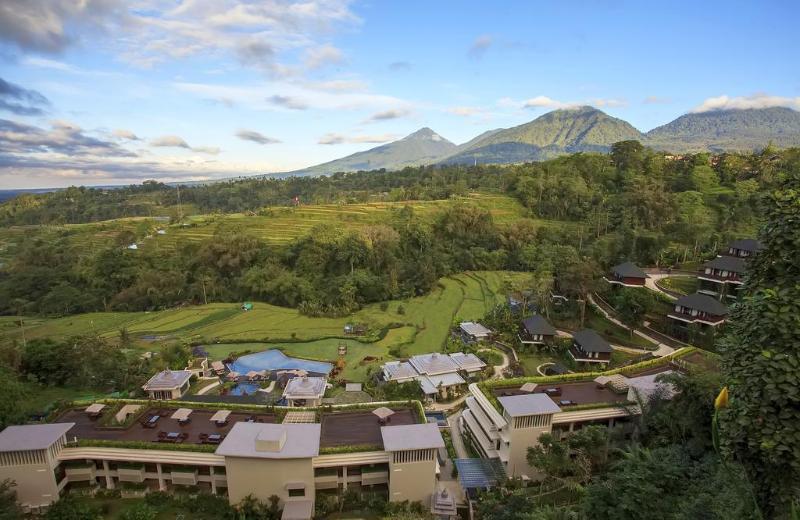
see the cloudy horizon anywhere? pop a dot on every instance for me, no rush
(101, 92)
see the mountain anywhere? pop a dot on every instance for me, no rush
(719, 130)
(422, 147)
(581, 129)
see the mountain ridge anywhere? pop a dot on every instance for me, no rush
(578, 129)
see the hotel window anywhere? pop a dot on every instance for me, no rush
(297, 492)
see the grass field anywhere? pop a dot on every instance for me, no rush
(680, 284)
(275, 225)
(422, 327)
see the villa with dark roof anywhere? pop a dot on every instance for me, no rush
(626, 274)
(698, 308)
(722, 277)
(589, 347)
(744, 248)
(536, 330)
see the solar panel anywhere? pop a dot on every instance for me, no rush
(480, 473)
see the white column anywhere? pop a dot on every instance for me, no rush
(162, 486)
(213, 480)
(109, 478)
(344, 477)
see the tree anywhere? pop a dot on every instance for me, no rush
(69, 508)
(633, 305)
(761, 356)
(573, 461)
(9, 510)
(12, 409)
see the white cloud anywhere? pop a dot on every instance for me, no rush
(288, 102)
(256, 137)
(543, 102)
(465, 111)
(744, 102)
(125, 134)
(322, 56)
(480, 46)
(175, 141)
(387, 115)
(548, 102)
(335, 138)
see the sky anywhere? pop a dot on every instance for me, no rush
(102, 92)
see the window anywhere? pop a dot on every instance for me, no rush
(300, 492)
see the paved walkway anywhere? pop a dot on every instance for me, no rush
(498, 369)
(455, 433)
(650, 282)
(206, 389)
(661, 351)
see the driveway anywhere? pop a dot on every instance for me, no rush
(455, 433)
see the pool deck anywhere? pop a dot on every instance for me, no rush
(358, 428)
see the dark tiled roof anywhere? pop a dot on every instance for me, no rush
(704, 303)
(628, 270)
(538, 325)
(591, 341)
(728, 263)
(747, 244)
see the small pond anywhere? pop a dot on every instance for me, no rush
(244, 388)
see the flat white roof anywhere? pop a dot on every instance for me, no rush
(528, 404)
(95, 408)
(168, 380)
(220, 416)
(305, 387)
(181, 414)
(475, 329)
(411, 437)
(32, 436)
(299, 441)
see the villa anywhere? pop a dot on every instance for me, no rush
(627, 274)
(744, 248)
(722, 277)
(168, 384)
(438, 375)
(536, 330)
(473, 332)
(590, 348)
(237, 453)
(304, 391)
(698, 308)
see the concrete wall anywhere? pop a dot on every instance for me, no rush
(36, 483)
(263, 478)
(521, 440)
(412, 481)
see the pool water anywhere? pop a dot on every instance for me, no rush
(438, 418)
(276, 360)
(244, 389)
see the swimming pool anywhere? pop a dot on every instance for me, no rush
(274, 359)
(244, 389)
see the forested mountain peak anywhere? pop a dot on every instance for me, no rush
(732, 129)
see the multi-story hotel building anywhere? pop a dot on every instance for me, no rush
(292, 454)
(503, 421)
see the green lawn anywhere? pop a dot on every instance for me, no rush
(680, 284)
(612, 332)
(422, 327)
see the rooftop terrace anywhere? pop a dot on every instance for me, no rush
(346, 428)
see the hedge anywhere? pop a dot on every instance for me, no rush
(335, 450)
(143, 445)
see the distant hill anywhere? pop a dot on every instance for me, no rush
(720, 130)
(422, 147)
(582, 129)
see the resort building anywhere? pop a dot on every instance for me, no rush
(722, 277)
(698, 308)
(473, 332)
(744, 248)
(589, 347)
(502, 422)
(438, 375)
(627, 274)
(304, 391)
(536, 330)
(292, 454)
(168, 385)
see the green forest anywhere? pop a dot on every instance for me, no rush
(633, 204)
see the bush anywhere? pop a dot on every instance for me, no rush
(384, 306)
(401, 310)
(141, 511)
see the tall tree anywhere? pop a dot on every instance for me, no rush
(761, 358)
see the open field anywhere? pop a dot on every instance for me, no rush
(422, 326)
(679, 284)
(275, 225)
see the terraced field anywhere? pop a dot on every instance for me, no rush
(421, 326)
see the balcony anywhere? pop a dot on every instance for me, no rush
(131, 474)
(76, 473)
(184, 477)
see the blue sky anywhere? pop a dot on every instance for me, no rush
(109, 92)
